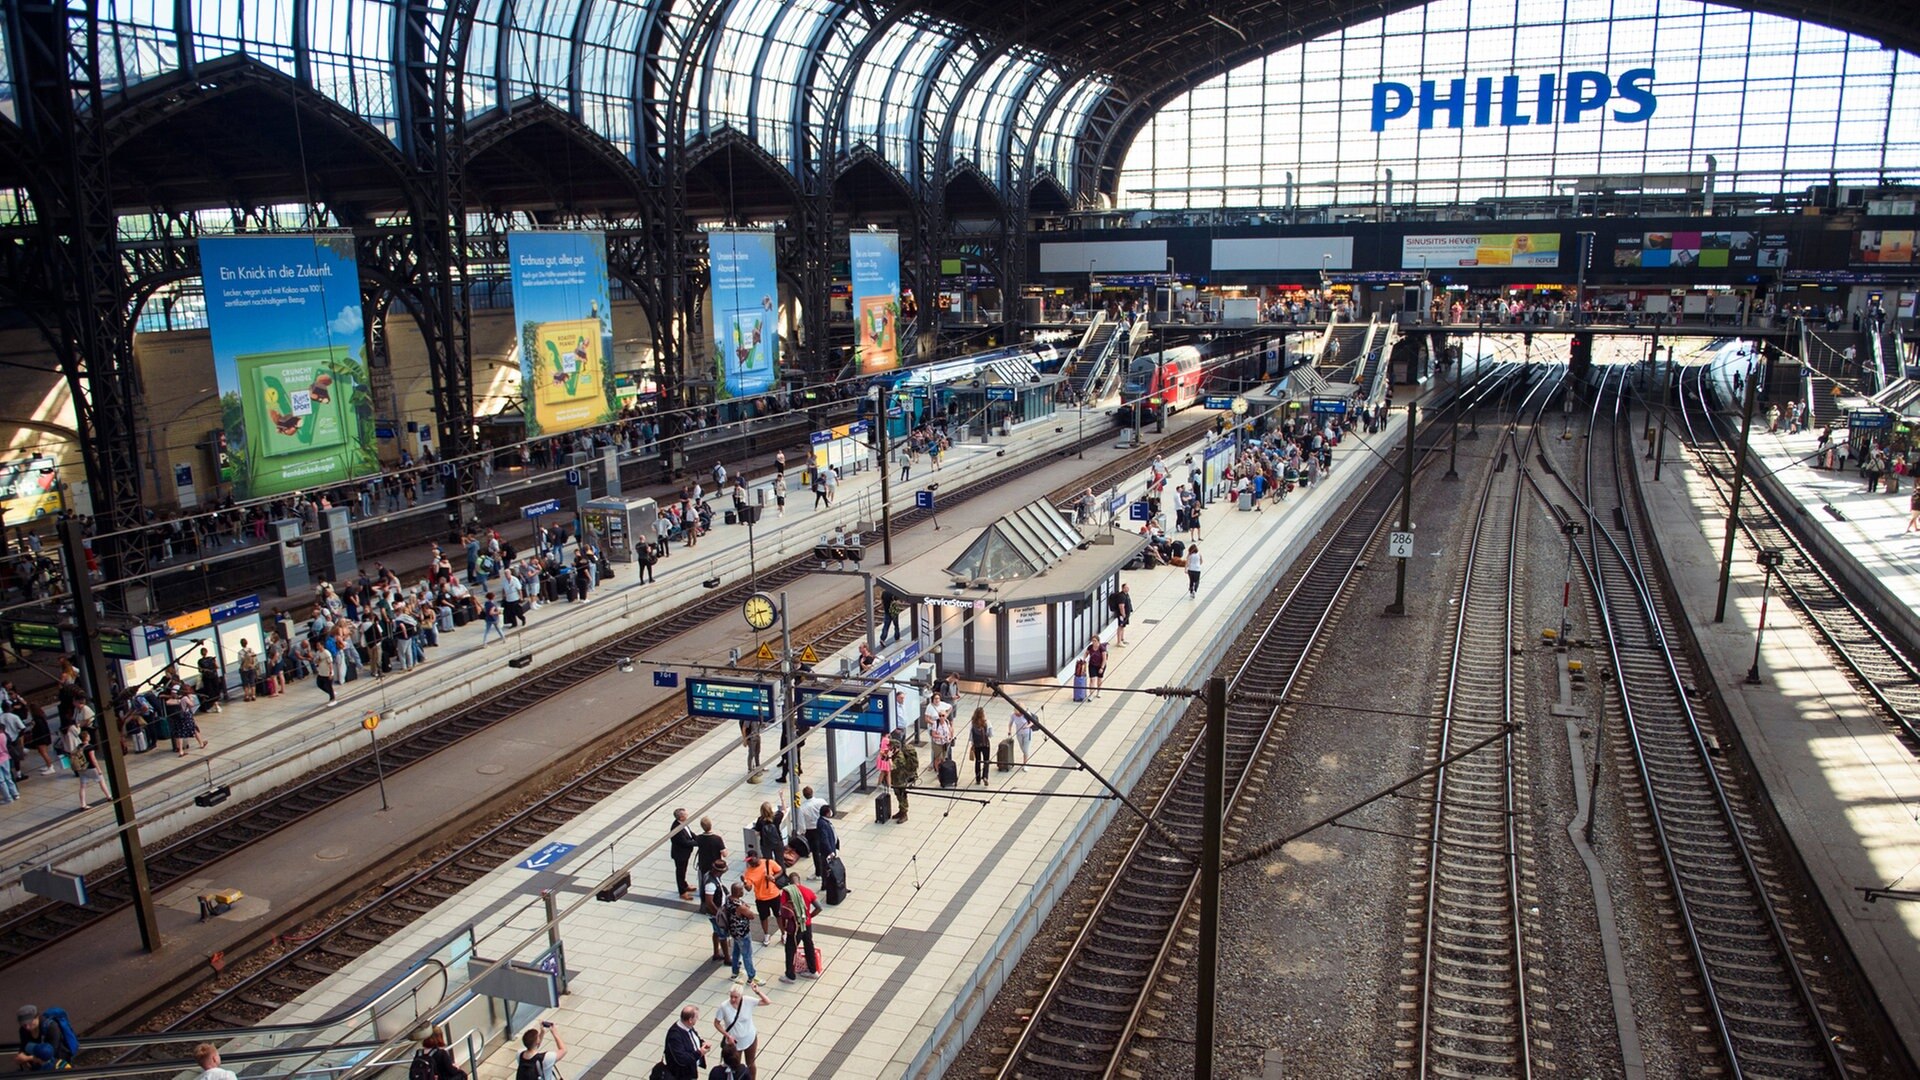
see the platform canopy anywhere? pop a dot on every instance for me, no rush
(1024, 544)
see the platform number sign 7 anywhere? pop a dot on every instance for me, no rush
(1400, 545)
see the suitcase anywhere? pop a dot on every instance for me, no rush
(733, 518)
(1003, 754)
(1179, 550)
(141, 744)
(461, 616)
(1079, 688)
(883, 807)
(949, 773)
(834, 885)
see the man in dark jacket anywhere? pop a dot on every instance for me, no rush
(681, 843)
(686, 1050)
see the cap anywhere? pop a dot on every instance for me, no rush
(29, 1013)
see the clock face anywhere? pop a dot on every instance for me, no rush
(759, 611)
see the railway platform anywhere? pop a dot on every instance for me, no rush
(103, 977)
(256, 746)
(941, 906)
(1839, 780)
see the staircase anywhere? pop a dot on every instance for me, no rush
(1345, 348)
(1083, 364)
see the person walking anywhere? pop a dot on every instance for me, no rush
(1193, 570)
(1120, 605)
(81, 751)
(437, 1059)
(323, 675)
(490, 618)
(798, 906)
(1913, 508)
(680, 844)
(820, 496)
(980, 741)
(738, 1039)
(759, 876)
(1022, 726)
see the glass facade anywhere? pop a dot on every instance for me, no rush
(1449, 97)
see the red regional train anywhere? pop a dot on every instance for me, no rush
(1167, 381)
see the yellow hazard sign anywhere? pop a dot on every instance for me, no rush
(808, 656)
(766, 651)
(371, 721)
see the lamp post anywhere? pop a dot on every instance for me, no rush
(1770, 558)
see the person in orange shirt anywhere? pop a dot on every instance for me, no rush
(759, 876)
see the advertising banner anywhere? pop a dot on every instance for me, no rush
(1881, 247)
(1480, 250)
(746, 316)
(289, 357)
(875, 260)
(1706, 250)
(27, 490)
(566, 329)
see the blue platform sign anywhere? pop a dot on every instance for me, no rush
(1000, 393)
(1327, 406)
(818, 707)
(730, 700)
(546, 856)
(446, 468)
(573, 477)
(1218, 402)
(666, 678)
(546, 506)
(923, 499)
(1140, 511)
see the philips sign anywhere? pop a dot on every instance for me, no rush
(1547, 101)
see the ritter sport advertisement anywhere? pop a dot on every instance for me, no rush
(289, 357)
(561, 306)
(746, 326)
(875, 258)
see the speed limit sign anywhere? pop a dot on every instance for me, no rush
(1400, 545)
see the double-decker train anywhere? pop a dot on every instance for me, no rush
(1165, 382)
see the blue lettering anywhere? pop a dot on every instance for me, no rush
(1543, 109)
(1586, 91)
(1482, 102)
(1382, 110)
(1455, 103)
(1636, 86)
(1510, 115)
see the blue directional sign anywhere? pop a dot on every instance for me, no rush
(730, 700)
(1000, 393)
(546, 857)
(573, 477)
(446, 468)
(1326, 406)
(666, 678)
(818, 707)
(545, 506)
(1140, 511)
(923, 499)
(1218, 402)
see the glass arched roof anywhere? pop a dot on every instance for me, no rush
(804, 79)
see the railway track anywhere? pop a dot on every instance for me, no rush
(1757, 998)
(1093, 1004)
(1472, 991)
(1883, 669)
(35, 926)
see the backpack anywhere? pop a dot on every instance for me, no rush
(65, 1043)
(422, 1066)
(793, 912)
(906, 760)
(527, 1069)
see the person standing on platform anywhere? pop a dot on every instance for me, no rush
(906, 766)
(780, 492)
(323, 674)
(798, 906)
(893, 606)
(1120, 604)
(1193, 570)
(740, 928)
(812, 809)
(939, 729)
(511, 594)
(686, 1051)
(712, 849)
(716, 901)
(535, 1063)
(681, 844)
(980, 742)
(738, 1039)
(759, 876)
(1097, 664)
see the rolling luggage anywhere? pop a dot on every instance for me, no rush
(883, 807)
(949, 773)
(461, 616)
(834, 885)
(1003, 755)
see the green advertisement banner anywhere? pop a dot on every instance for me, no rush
(560, 303)
(289, 357)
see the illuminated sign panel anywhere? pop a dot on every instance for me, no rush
(1514, 101)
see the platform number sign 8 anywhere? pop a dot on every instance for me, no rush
(1400, 545)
